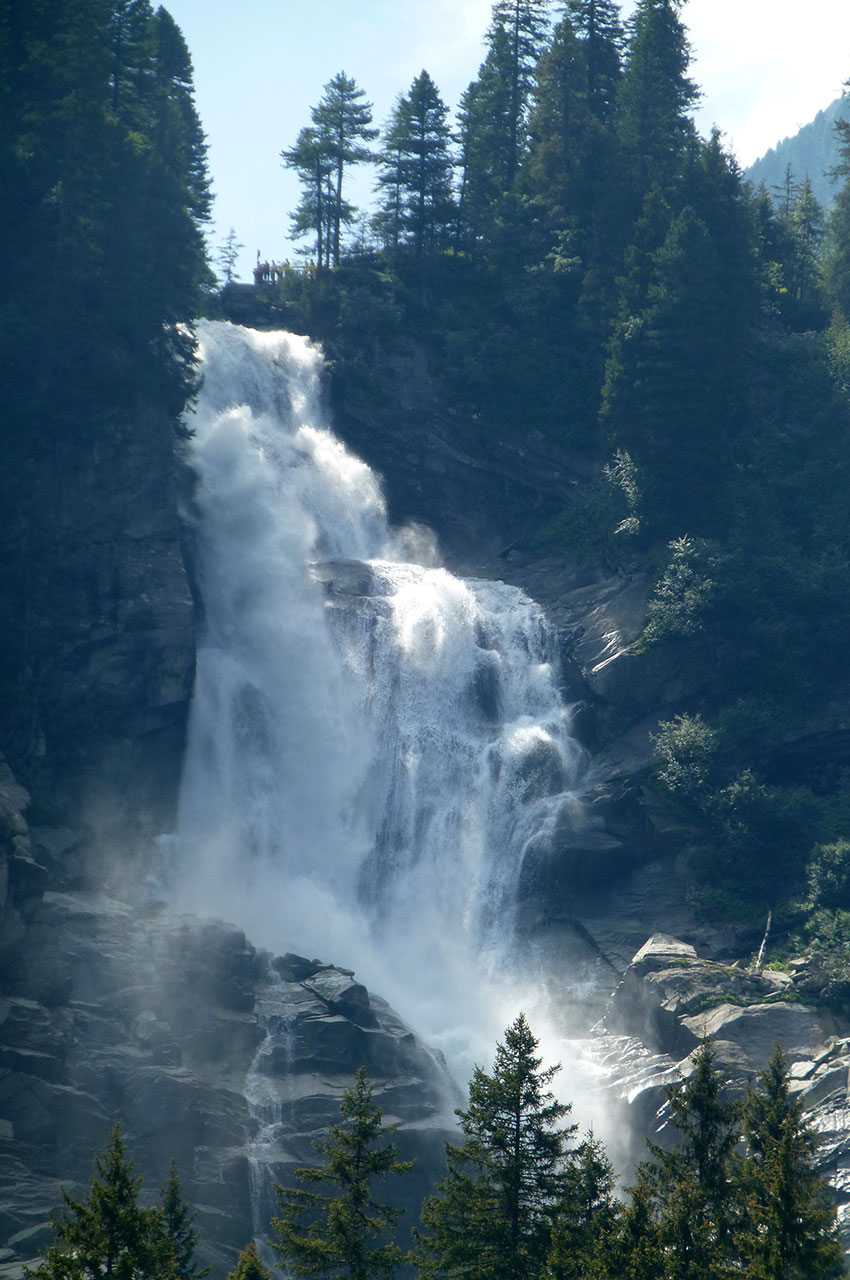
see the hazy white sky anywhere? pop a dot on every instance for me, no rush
(765, 67)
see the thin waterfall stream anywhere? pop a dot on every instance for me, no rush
(376, 746)
(266, 1105)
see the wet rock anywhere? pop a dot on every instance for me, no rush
(670, 998)
(158, 1020)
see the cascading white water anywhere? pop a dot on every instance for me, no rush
(266, 1106)
(374, 744)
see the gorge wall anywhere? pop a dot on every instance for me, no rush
(99, 1011)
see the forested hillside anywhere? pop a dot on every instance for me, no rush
(104, 262)
(103, 148)
(812, 153)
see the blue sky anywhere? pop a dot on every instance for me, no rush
(766, 67)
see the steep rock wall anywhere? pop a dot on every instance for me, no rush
(111, 1012)
(96, 671)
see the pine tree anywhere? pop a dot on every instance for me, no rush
(492, 1215)
(342, 121)
(691, 1189)
(416, 172)
(108, 1236)
(332, 1232)
(249, 1266)
(656, 96)
(312, 161)
(598, 24)
(788, 1226)
(178, 1227)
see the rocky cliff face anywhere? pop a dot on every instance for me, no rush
(96, 673)
(670, 998)
(224, 1058)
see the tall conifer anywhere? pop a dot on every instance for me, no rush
(491, 1218)
(340, 1229)
(788, 1227)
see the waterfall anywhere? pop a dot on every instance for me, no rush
(270, 1066)
(375, 745)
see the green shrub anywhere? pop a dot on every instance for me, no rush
(685, 591)
(829, 876)
(687, 748)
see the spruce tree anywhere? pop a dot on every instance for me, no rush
(667, 394)
(788, 1228)
(492, 1215)
(837, 264)
(583, 1241)
(249, 1265)
(563, 138)
(656, 96)
(484, 133)
(691, 1189)
(108, 1236)
(104, 240)
(524, 24)
(178, 1228)
(598, 24)
(416, 171)
(340, 1230)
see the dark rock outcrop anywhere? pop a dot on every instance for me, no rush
(98, 655)
(168, 1023)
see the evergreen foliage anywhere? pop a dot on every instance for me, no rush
(691, 1188)
(493, 1214)
(178, 1228)
(737, 1195)
(837, 268)
(249, 1266)
(787, 1220)
(418, 207)
(337, 138)
(583, 1242)
(340, 1229)
(110, 1236)
(601, 29)
(104, 243)
(656, 95)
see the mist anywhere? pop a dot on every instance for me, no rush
(375, 745)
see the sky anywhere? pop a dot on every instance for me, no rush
(765, 67)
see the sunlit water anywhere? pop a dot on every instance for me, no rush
(374, 744)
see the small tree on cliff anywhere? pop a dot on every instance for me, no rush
(340, 1230)
(109, 1236)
